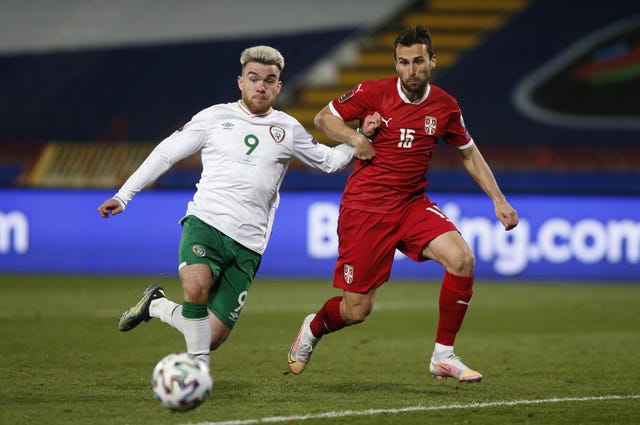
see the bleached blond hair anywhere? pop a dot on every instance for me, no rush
(262, 54)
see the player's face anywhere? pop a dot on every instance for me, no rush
(260, 85)
(414, 66)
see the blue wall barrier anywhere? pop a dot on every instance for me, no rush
(559, 237)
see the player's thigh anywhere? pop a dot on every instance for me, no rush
(422, 223)
(201, 243)
(196, 282)
(452, 251)
(231, 290)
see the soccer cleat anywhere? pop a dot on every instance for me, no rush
(140, 312)
(302, 347)
(452, 367)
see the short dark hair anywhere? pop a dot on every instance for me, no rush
(414, 35)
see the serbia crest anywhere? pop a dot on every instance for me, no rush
(348, 274)
(430, 125)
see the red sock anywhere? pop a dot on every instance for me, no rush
(455, 294)
(328, 318)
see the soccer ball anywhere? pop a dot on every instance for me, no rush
(181, 382)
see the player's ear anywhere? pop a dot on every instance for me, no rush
(433, 61)
(240, 82)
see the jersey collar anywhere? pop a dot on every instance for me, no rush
(246, 110)
(406, 99)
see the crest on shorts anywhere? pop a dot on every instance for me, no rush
(198, 250)
(348, 274)
(430, 125)
(277, 133)
(233, 316)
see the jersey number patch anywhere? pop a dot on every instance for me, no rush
(251, 142)
(406, 138)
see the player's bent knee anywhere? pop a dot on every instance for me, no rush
(463, 264)
(354, 308)
(468, 261)
(356, 315)
(195, 294)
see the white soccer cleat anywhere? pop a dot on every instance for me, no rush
(452, 367)
(302, 347)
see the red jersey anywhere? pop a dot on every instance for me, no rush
(403, 144)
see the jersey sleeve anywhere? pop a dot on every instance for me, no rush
(355, 104)
(314, 154)
(182, 143)
(456, 132)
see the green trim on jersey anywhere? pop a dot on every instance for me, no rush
(232, 265)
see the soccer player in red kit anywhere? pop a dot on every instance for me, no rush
(384, 206)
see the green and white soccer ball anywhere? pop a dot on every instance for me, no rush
(181, 382)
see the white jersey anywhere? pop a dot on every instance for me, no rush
(244, 159)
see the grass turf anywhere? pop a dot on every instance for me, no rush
(64, 362)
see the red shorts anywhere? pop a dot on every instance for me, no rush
(368, 241)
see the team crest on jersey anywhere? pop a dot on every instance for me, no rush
(198, 250)
(277, 133)
(430, 125)
(348, 274)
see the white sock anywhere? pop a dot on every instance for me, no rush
(168, 312)
(197, 335)
(442, 351)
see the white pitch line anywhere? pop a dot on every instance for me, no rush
(372, 412)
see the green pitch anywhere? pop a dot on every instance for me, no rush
(550, 353)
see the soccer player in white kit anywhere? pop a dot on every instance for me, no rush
(245, 147)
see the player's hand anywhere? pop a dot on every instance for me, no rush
(371, 123)
(110, 206)
(507, 215)
(363, 147)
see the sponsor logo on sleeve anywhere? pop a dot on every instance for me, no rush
(348, 95)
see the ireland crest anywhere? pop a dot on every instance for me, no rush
(277, 133)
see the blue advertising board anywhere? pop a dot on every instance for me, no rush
(559, 237)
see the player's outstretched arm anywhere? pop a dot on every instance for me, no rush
(479, 170)
(177, 146)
